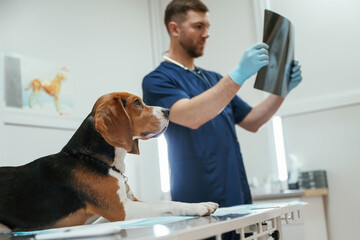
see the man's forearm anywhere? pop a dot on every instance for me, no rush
(261, 113)
(200, 109)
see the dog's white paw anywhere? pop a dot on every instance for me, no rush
(202, 209)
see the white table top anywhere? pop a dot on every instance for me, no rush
(223, 220)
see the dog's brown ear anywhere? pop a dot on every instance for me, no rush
(135, 147)
(114, 125)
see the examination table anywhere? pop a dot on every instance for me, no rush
(263, 220)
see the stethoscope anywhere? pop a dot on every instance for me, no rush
(175, 62)
(203, 77)
(197, 72)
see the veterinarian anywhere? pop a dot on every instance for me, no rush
(204, 153)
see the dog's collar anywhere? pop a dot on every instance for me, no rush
(100, 163)
(107, 166)
(117, 170)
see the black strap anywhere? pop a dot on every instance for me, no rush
(97, 162)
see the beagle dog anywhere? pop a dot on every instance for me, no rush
(86, 178)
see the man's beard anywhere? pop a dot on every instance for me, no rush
(191, 50)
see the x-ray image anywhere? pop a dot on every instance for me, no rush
(279, 35)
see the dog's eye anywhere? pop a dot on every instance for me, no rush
(138, 103)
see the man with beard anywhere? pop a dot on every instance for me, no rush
(204, 153)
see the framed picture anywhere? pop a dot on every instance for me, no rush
(36, 92)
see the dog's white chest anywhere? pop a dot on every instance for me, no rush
(119, 164)
(122, 186)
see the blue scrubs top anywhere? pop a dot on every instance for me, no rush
(206, 164)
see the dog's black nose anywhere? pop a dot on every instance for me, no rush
(166, 112)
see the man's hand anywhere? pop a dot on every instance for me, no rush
(254, 58)
(295, 76)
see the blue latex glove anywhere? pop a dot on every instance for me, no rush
(295, 76)
(254, 58)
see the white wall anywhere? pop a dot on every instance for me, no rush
(329, 140)
(321, 117)
(326, 39)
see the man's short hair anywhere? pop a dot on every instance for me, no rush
(177, 10)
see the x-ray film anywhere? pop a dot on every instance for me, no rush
(279, 35)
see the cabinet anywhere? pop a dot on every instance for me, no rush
(314, 226)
